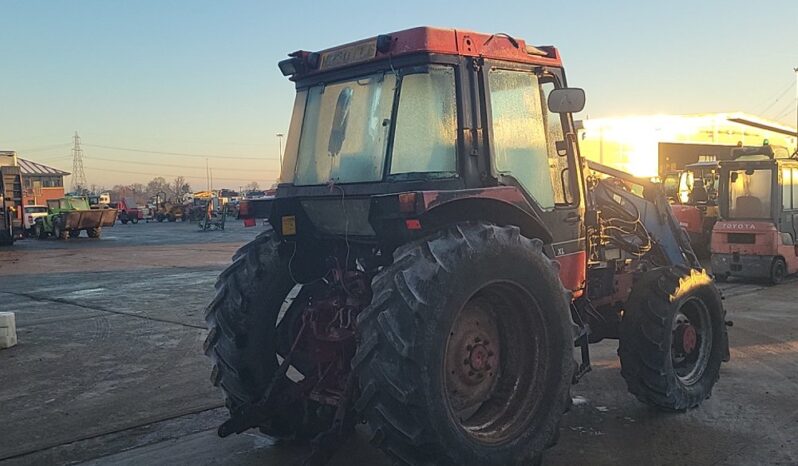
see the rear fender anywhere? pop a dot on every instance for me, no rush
(402, 217)
(486, 210)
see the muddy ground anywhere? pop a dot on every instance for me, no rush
(109, 368)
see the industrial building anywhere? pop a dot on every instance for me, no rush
(40, 182)
(654, 145)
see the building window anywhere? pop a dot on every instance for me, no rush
(52, 181)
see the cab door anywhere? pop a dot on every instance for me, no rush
(536, 150)
(789, 196)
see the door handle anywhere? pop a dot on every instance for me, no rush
(572, 217)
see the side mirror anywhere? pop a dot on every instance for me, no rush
(566, 100)
(733, 177)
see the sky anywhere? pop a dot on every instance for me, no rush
(145, 81)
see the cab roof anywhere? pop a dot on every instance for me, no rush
(429, 40)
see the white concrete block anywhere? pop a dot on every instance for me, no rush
(8, 330)
(8, 342)
(7, 320)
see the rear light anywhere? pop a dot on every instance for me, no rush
(413, 224)
(407, 203)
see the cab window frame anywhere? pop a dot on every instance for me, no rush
(545, 74)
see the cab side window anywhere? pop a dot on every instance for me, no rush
(558, 161)
(519, 143)
(795, 188)
(787, 188)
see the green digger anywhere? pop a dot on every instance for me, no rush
(68, 216)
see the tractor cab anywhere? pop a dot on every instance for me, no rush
(394, 136)
(758, 206)
(694, 193)
(698, 183)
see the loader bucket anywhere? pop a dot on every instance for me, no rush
(87, 219)
(108, 217)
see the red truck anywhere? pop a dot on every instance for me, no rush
(128, 211)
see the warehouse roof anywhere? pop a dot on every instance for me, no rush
(36, 169)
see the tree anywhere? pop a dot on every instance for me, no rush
(179, 187)
(157, 185)
(253, 186)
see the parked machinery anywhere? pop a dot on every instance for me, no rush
(70, 215)
(166, 210)
(10, 203)
(695, 202)
(756, 234)
(128, 210)
(447, 248)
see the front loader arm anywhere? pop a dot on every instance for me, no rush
(612, 192)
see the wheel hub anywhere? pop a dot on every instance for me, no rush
(688, 338)
(479, 357)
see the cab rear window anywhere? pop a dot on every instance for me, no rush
(36, 210)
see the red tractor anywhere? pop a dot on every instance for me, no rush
(437, 248)
(756, 235)
(695, 202)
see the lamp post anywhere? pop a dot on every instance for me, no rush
(280, 141)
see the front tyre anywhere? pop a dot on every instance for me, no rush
(673, 339)
(59, 232)
(465, 353)
(778, 271)
(38, 231)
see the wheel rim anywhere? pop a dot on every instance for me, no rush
(692, 341)
(493, 364)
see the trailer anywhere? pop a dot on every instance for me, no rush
(68, 216)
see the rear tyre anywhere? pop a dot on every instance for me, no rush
(134, 220)
(465, 353)
(94, 232)
(673, 339)
(778, 270)
(74, 233)
(242, 336)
